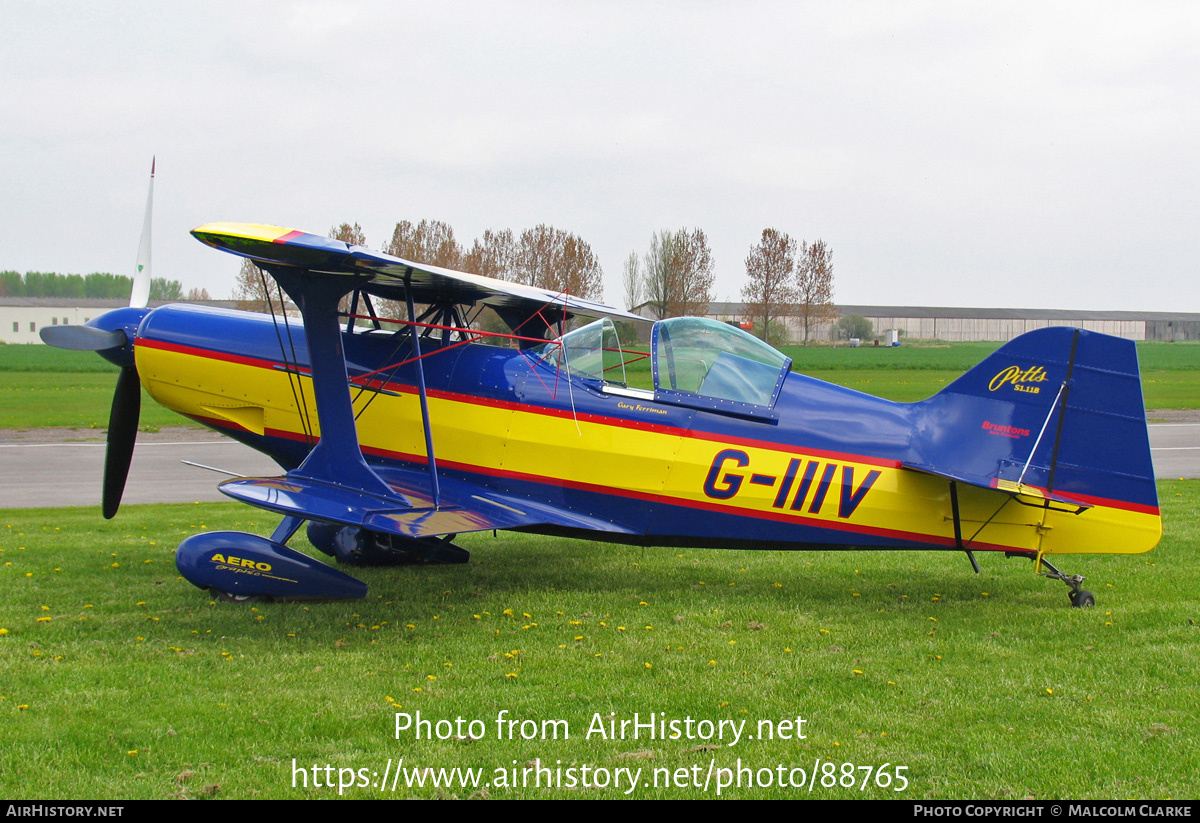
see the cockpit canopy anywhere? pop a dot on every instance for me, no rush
(715, 360)
(695, 362)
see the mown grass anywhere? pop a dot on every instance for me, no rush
(1170, 371)
(35, 400)
(41, 386)
(119, 680)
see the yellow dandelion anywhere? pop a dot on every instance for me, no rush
(510, 675)
(3, 632)
(858, 671)
(648, 665)
(507, 612)
(1049, 691)
(712, 662)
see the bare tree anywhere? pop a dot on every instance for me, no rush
(679, 273)
(558, 261)
(493, 255)
(353, 234)
(430, 242)
(251, 289)
(194, 295)
(814, 286)
(633, 281)
(349, 234)
(770, 290)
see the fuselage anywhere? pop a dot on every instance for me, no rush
(822, 468)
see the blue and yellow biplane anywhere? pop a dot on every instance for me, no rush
(396, 436)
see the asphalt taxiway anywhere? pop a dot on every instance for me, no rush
(63, 467)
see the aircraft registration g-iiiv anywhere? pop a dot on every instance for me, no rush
(395, 436)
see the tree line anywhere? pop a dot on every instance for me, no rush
(673, 277)
(100, 285)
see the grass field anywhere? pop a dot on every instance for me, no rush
(41, 386)
(119, 680)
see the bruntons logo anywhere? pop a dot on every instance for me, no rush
(1004, 431)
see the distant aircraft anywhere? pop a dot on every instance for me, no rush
(396, 436)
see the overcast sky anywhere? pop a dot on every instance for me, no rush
(1039, 155)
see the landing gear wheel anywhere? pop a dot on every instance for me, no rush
(229, 597)
(1082, 599)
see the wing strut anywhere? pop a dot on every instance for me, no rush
(416, 341)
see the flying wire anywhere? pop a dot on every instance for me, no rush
(283, 354)
(299, 382)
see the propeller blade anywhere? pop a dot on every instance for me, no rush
(82, 338)
(122, 432)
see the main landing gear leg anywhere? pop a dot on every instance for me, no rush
(1080, 598)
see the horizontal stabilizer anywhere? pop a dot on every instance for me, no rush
(1008, 486)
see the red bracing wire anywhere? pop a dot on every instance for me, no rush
(363, 379)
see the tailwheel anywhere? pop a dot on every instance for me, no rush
(1080, 598)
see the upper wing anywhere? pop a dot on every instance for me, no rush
(389, 275)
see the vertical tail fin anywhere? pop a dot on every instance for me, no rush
(1057, 409)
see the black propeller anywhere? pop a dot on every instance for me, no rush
(122, 432)
(126, 405)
